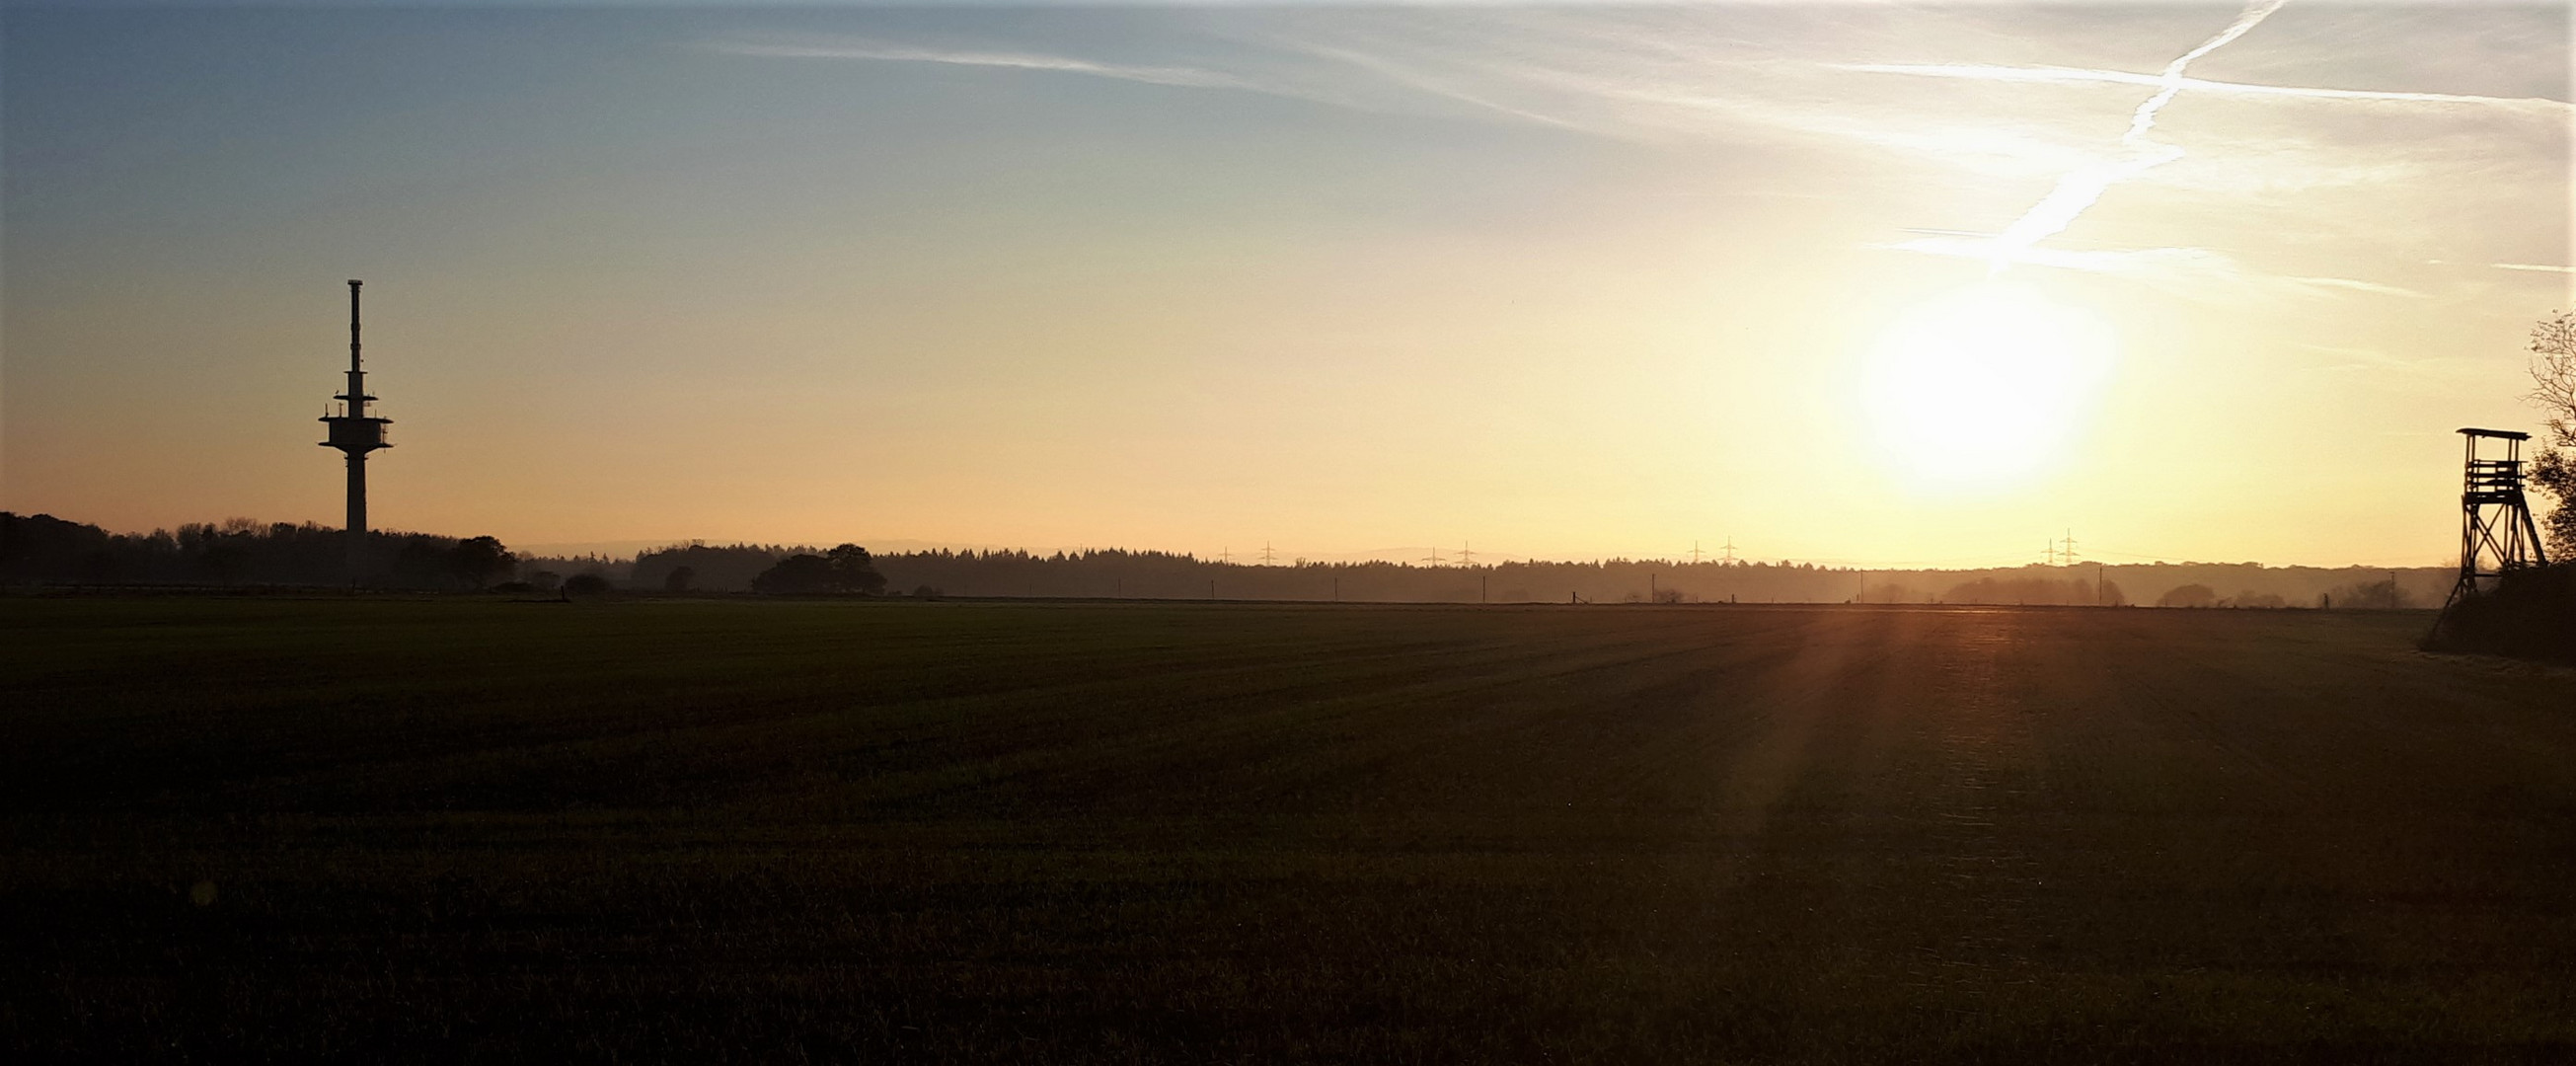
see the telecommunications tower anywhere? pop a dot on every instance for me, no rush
(2496, 530)
(355, 433)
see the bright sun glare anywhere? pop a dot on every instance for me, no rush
(1978, 389)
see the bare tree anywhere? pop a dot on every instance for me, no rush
(2553, 466)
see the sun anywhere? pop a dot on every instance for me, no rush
(1980, 389)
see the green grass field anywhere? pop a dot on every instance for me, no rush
(454, 829)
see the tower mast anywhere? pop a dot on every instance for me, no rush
(355, 432)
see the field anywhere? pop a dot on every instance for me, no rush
(454, 828)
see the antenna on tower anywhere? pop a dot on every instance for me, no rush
(355, 432)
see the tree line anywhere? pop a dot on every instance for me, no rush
(239, 551)
(1112, 573)
(41, 548)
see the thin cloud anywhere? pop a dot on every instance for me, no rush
(2373, 361)
(1678, 81)
(2541, 268)
(2192, 271)
(2354, 285)
(1420, 82)
(867, 50)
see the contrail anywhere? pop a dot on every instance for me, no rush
(2079, 190)
(2077, 75)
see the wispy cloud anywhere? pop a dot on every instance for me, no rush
(2541, 268)
(1446, 89)
(1838, 78)
(2352, 285)
(2193, 271)
(2376, 362)
(849, 49)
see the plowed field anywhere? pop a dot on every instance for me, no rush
(460, 829)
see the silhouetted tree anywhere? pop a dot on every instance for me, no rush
(478, 560)
(2021, 590)
(854, 571)
(678, 579)
(2553, 466)
(2188, 596)
(2530, 612)
(2381, 595)
(585, 587)
(728, 568)
(222, 560)
(847, 568)
(796, 574)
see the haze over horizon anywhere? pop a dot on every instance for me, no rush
(1855, 283)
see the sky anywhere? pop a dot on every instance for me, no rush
(1855, 283)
